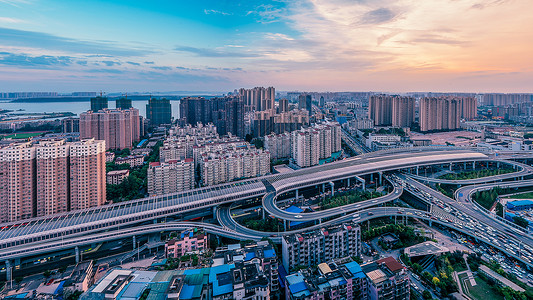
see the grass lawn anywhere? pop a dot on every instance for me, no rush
(23, 135)
(482, 291)
(528, 195)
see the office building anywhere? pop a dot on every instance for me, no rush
(336, 280)
(387, 279)
(159, 111)
(119, 128)
(305, 103)
(321, 102)
(38, 178)
(170, 177)
(439, 114)
(70, 125)
(123, 103)
(87, 174)
(98, 103)
(190, 240)
(315, 247)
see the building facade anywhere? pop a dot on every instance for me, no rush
(318, 246)
(159, 111)
(119, 128)
(187, 241)
(170, 177)
(51, 176)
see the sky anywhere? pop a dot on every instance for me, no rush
(308, 45)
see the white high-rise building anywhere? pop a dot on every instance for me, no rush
(170, 177)
(318, 142)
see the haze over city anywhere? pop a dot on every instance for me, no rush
(385, 45)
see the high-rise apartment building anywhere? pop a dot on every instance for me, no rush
(70, 125)
(505, 99)
(279, 145)
(226, 113)
(436, 114)
(305, 102)
(258, 98)
(119, 128)
(311, 248)
(311, 144)
(123, 103)
(225, 163)
(403, 111)
(87, 174)
(51, 176)
(283, 105)
(321, 102)
(388, 110)
(159, 111)
(170, 177)
(306, 147)
(17, 182)
(266, 122)
(98, 103)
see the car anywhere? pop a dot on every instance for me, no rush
(370, 213)
(298, 216)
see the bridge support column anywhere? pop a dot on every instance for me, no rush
(497, 165)
(362, 180)
(430, 223)
(9, 272)
(348, 182)
(323, 188)
(134, 242)
(381, 177)
(332, 188)
(285, 225)
(77, 251)
(416, 170)
(473, 165)
(372, 177)
(296, 194)
(451, 166)
(465, 166)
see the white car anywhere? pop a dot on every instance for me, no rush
(298, 216)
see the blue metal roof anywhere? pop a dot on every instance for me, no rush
(249, 256)
(187, 291)
(356, 270)
(269, 253)
(521, 202)
(294, 209)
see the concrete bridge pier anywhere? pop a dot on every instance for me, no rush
(473, 165)
(451, 166)
(9, 272)
(296, 194)
(381, 177)
(362, 180)
(348, 181)
(332, 188)
(77, 251)
(134, 242)
(416, 170)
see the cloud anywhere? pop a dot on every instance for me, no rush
(164, 68)
(40, 40)
(149, 62)
(378, 16)
(11, 20)
(23, 60)
(215, 12)
(111, 63)
(133, 63)
(207, 52)
(267, 13)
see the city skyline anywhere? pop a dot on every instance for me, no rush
(394, 46)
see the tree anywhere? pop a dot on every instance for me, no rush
(435, 281)
(521, 221)
(499, 209)
(427, 295)
(47, 273)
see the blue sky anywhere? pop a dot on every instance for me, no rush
(387, 45)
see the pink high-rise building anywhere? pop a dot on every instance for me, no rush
(17, 182)
(119, 128)
(87, 174)
(52, 177)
